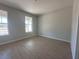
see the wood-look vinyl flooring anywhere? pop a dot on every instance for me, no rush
(36, 48)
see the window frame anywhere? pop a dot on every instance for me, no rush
(4, 27)
(29, 24)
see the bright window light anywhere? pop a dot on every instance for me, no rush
(3, 23)
(28, 24)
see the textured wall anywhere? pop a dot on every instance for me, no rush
(16, 20)
(56, 24)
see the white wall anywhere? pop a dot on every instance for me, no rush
(74, 36)
(16, 24)
(56, 24)
(77, 46)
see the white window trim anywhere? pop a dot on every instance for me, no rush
(29, 25)
(7, 33)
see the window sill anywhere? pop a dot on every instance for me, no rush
(28, 32)
(3, 35)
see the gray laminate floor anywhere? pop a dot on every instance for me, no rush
(36, 48)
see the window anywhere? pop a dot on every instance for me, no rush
(3, 23)
(28, 24)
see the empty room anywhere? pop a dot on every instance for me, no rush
(39, 29)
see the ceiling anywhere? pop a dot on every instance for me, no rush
(38, 6)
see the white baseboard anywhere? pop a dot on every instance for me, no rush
(55, 38)
(16, 39)
(32, 36)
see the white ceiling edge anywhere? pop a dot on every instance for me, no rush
(33, 13)
(41, 7)
(59, 10)
(18, 9)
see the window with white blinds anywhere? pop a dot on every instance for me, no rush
(28, 24)
(3, 23)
